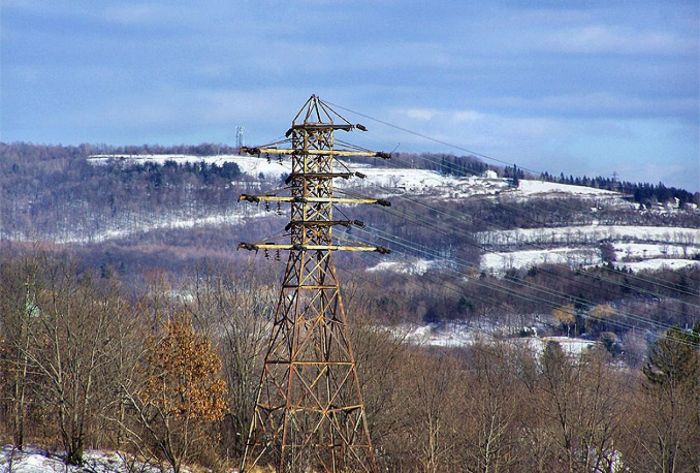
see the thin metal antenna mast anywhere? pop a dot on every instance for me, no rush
(240, 133)
(309, 413)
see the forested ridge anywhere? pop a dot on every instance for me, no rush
(643, 193)
(53, 193)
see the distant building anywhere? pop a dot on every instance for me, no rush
(490, 174)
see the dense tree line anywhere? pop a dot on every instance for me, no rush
(642, 192)
(598, 298)
(167, 375)
(23, 152)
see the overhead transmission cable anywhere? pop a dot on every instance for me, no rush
(500, 203)
(509, 291)
(417, 220)
(439, 141)
(512, 292)
(453, 287)
(597, 277)
(547, 291)
(427, 137)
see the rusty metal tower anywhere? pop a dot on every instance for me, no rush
(309, 413)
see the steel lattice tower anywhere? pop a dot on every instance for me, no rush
(309, 413)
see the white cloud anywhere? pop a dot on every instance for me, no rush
(593, 39)
(462, 116)
(451, 116)
(132, 13)
(478, 129)
(423, 114)
(600, 104)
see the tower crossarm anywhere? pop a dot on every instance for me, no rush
(275, 246)
(323, 175)
(312, 200)
(324, 223)
(316, 152)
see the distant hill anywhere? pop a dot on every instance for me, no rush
(186, 197)
(463, 233)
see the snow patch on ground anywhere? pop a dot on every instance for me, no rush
(656, 264)
(672, 247)
(145, 224)
(456, 335)
(589, 234)
(423, 181)
(571, 346)
(34, 460)
(252, 166)
(418, 266)
(531, 187)
(631, 251)
(447, 335)
(500, 262)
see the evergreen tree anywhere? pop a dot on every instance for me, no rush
(674, 358)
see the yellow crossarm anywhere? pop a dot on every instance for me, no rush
(318, 200)
(275, 246)
(315, 152)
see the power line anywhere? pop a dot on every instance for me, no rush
(452, 216)
(520, 281)
(439, 141)
(427, 137)
(540, 223)
(524, 284)
(532, 298)
(512, 292)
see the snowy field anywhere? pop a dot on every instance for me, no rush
(448, 335)
(394, 180)
(532, 187)
(455, 335)
(636, 257)
(656, 264)
(499, 262)
(417, 266)
(633, 256)
(640, 251)
(33, 460)
(588, 234)
(571, 346)
(634, 245)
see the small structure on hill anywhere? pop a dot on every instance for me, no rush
(490, 174)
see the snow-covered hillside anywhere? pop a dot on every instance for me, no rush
(587, 234)
(632, 245)
(635, 247)
(391, 180)
(142, 224)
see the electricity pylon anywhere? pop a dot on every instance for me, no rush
(309, 413)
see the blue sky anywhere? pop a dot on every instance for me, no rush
(590, 87)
